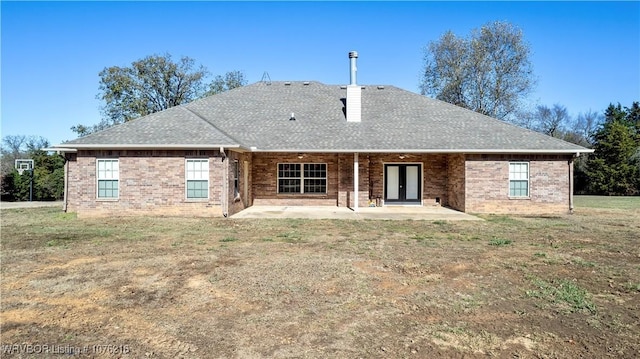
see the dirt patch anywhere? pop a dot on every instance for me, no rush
(504, 287)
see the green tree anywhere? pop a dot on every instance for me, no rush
(633, 121)
(48, 176)
(613, 168)
(149, 85)
(153, 84)
(489, 72)
(231, 80)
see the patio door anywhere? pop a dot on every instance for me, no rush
(402, 183)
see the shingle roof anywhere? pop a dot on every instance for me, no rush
(257, 117)
(176, 126)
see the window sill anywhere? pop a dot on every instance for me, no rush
(107, 199)
(197, 200)
(520, 198)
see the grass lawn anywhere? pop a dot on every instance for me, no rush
(518, 287)
(613, 202)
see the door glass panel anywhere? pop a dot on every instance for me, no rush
(413, 178)
(393, 182)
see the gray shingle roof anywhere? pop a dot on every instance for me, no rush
(257, 116)
(176, 126)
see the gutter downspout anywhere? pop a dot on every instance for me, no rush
(65, 197)
(571, 182)
(225, 185)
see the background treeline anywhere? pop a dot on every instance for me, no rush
(614, 135)
(48, 174)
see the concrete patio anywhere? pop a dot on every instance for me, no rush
(428, 213)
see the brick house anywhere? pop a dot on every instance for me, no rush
(307, 143)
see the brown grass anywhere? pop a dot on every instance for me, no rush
(527, 287)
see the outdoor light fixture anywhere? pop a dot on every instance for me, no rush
(401, 156)
(300, 155)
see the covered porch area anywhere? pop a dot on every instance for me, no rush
(422, 213)
(357, 180)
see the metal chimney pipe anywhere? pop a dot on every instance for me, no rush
(354, 93)
(353, 55)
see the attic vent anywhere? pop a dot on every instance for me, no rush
(380, 87)
(306, 83)
(287, 83)
(293, 117)
(343, 87)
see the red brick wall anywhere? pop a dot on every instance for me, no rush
(340, 178)
(153, 182)
(487, 184)
(435, 179)
(238, 201)
(150, 182)
(265, 180)
(345, 179)
(346, 189)
(456, 179)
(434, 174)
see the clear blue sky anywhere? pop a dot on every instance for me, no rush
(585, 54)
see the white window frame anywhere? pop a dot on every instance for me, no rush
(108, 174)
(236, 178)
(517, 175)
(196, 174)
(302, 178)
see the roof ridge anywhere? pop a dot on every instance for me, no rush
(212, 125)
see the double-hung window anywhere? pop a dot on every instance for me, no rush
(108, 178)
(519, 179)
(302, 178)
(197, 178)
(315, 178)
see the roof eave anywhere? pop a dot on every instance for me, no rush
(467, 151)
(59, 149)
(75, 148)
(139, 147)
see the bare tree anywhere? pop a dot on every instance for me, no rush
(19, 146)
(586, 125)
(490, 72)
(446, 70)
(552, 121)
(13, 144)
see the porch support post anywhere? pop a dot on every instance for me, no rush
(355, 182)
(571, 186)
